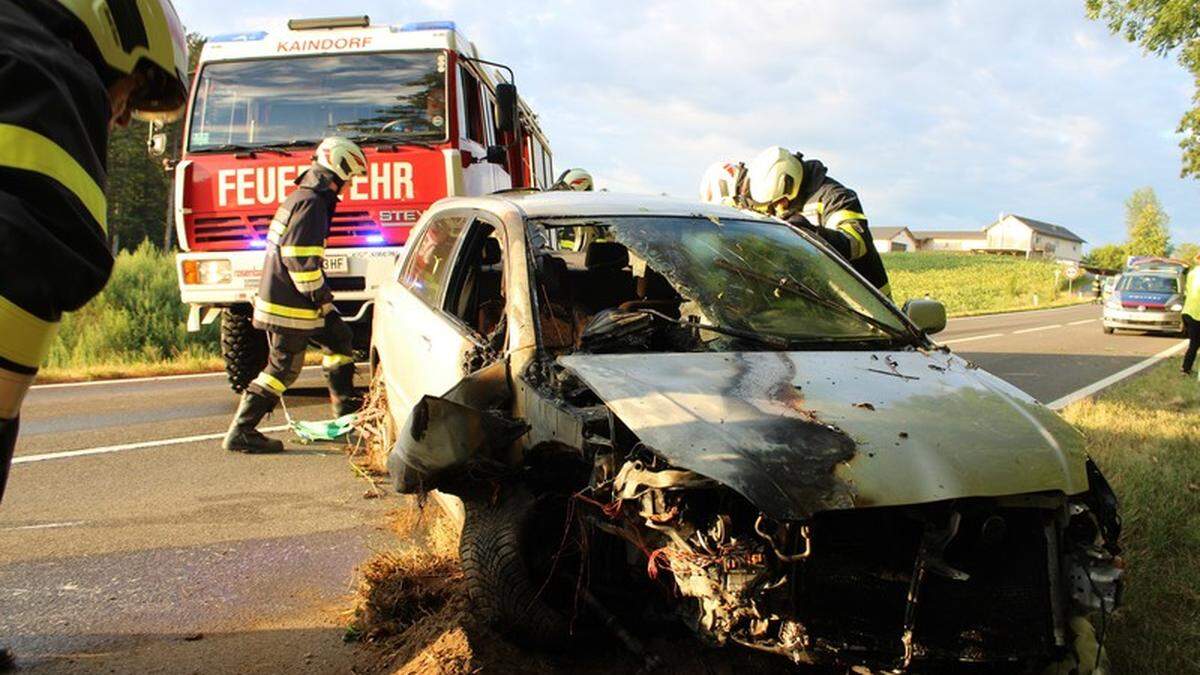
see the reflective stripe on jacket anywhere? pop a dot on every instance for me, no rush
(293, 288)
(54, 254)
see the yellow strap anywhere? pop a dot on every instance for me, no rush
(837, 217)
(284, 310)
(269, 381)
(30, 151)
(302, 251)
(301, 277)
(858, 246)
(24, 339)
(331, 361)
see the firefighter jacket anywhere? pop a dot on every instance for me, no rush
(54, 254)
(839, 219)
(293, 295)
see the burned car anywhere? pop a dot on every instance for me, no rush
(650, 406)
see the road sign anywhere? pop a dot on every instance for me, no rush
(1073, 272)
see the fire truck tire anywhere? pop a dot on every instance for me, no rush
(243, 347)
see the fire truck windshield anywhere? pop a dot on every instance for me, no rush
(375, 97)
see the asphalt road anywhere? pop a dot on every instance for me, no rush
(124, 549)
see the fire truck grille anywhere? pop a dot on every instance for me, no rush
(354, 228)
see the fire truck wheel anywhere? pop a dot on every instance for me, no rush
(243, 347)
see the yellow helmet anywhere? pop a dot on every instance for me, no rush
(775, 175)
(341, 156)
(142, 37)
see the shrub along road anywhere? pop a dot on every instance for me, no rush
(130, 540)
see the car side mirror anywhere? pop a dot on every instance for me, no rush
(506, 106)
(497, 154)
(928, 315)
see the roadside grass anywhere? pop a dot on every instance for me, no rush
(1145, 435)
(970, 284)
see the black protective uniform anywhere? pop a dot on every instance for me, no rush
(295, 306)
(839, 219)
(54, 256)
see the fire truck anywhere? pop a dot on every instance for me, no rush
(433, 117)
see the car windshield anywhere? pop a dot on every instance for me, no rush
(754, 276)
(386, 96)
(1148, 284)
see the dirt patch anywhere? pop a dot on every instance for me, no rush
(413, 613)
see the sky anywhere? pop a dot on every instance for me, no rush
(941, 114)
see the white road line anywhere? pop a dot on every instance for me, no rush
(1034, 330)
(1080, 323)
(1115, 377)
(47, 526)
(107, 449)
(1019, 312)
(972, 339)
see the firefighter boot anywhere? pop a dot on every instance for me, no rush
(341, 390)
(242, 436)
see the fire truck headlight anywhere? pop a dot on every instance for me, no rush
(207, 272)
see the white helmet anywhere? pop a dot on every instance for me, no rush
(774, 175)
(721, 183)
(574, 179)
(345, 159)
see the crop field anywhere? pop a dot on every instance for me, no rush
(977, 284)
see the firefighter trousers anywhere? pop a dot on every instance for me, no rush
(286, 358)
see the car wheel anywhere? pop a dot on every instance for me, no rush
(243, 347)
(499, 549)
(1108, 331)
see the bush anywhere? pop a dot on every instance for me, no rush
(975, 283)
(137, 318)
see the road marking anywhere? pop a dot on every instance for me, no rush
(1034, 330)
(1115, 377)
(107, 449)
(1080, 323)
(972, 339)
(47, 526)
(1020, 312)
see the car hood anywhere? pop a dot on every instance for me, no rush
(797, 433)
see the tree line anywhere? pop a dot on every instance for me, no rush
(1148, 233)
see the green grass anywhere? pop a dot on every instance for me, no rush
(136, 321)
(1145, 436)
(978, 284)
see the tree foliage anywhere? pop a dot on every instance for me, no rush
(1187, 251)
(1147, 223)
(1163, 27)
(138, 185)
(1109, 256)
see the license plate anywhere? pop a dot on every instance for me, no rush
(337, 264)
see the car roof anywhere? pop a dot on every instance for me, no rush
(565, 204)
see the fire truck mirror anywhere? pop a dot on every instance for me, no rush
(496, 154)
(506, 106)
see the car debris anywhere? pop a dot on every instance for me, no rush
(674, 421)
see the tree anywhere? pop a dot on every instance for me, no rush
(1162, 27)
(1109, 256)
(1186, 251)
(1147, 223)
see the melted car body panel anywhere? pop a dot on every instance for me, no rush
(801, 432)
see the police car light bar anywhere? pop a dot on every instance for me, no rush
(428, 25)
(330, 22)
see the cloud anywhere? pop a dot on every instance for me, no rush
(939, 112)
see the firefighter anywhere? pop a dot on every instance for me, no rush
(574, 179)
(71, 70)
(801, 192)
(1191, 315)
(722, 183)
(294, 304)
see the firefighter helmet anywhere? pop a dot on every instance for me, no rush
(722, 182)
(574, 179)
(143, 38)
(775, 175)
(341, 156)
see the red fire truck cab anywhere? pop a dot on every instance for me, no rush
(434, 119)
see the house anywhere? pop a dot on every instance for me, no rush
(950, 240)
(1034, 238)
(893, 239)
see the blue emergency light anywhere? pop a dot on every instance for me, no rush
(428, 25)
(253, 36)
(375, 239)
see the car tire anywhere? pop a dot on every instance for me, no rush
(496, 538)
(243, 347)
(1108, 331)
